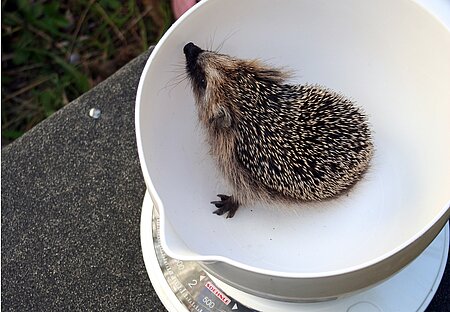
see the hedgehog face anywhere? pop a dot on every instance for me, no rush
(213, 81)
(193, 68)
(220, 82)
(208, 71)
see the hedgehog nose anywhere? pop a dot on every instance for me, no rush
(191, 51)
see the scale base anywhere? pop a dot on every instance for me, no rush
(183, 286)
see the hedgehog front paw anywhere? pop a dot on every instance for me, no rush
(225, 204)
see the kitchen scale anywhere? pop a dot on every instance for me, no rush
(184, 286)
(381, 248)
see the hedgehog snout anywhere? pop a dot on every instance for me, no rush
(191, 51)
(194, 70)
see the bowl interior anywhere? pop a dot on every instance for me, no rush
(391, 57)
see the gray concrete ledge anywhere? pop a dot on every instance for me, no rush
(72, 192)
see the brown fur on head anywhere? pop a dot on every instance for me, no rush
(220, 82)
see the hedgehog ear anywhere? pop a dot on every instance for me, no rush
(221, 117)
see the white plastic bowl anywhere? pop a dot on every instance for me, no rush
(392, 58)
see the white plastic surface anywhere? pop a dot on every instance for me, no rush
(391, 57)
(412, 289)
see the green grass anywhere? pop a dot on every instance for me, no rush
(54, 51)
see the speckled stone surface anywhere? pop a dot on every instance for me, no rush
(72, 192)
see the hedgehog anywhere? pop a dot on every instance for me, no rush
(275, 141)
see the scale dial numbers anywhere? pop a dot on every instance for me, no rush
(193, 283)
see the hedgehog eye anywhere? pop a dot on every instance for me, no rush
(200, 79)
(203, 83)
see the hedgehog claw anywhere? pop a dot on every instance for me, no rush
(226, 204)
(218, 203)
(219, 211)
